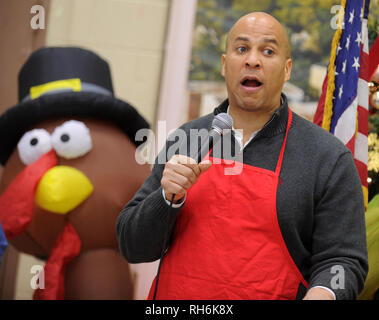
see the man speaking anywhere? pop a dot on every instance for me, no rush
(283, 228)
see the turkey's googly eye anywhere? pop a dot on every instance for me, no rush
(33, 144)
(72, 139)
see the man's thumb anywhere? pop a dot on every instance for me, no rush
(205, 165)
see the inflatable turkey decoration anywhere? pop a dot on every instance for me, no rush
(68, 152)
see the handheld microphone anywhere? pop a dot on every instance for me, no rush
(221, 122)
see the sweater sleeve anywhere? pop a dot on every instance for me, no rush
(339, 253)
(146, 221)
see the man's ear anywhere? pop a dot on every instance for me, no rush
(223, 57)
(287, 69)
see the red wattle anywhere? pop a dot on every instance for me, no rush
(17, 201)
(66, 247)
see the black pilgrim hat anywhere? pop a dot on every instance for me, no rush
(65, 82)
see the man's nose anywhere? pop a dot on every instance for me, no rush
(253, 60)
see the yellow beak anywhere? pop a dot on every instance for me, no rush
(62, 188)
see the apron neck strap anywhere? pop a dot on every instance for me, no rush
(281, 155)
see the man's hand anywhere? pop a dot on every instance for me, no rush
(317, 293)
(180, 173)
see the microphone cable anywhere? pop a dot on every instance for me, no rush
(163, 248)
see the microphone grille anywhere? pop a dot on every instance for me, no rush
(222, 121)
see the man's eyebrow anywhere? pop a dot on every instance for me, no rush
(271, 40)
(241, 38)
(265, 40)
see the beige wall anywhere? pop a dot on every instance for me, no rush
(129, 34)
(18, 40)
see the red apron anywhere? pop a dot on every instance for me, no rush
(227, 243)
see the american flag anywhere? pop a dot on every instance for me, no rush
(343, 105)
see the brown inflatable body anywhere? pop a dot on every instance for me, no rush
(99, 271)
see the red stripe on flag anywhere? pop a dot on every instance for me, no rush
(362, 120)
(351, 145)
(374, 58)
(365, 65)
(319, 115)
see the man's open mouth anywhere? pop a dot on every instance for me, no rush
(251, 82)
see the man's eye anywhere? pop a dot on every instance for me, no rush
(268, 52)
(241, 49)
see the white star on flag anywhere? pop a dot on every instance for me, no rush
(348, 42)
(340, 92)
(344, 67)
(356, 64)
(338, 49)
(359, 39)
(351, 19)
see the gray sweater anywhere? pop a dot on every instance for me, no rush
(319, 204)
